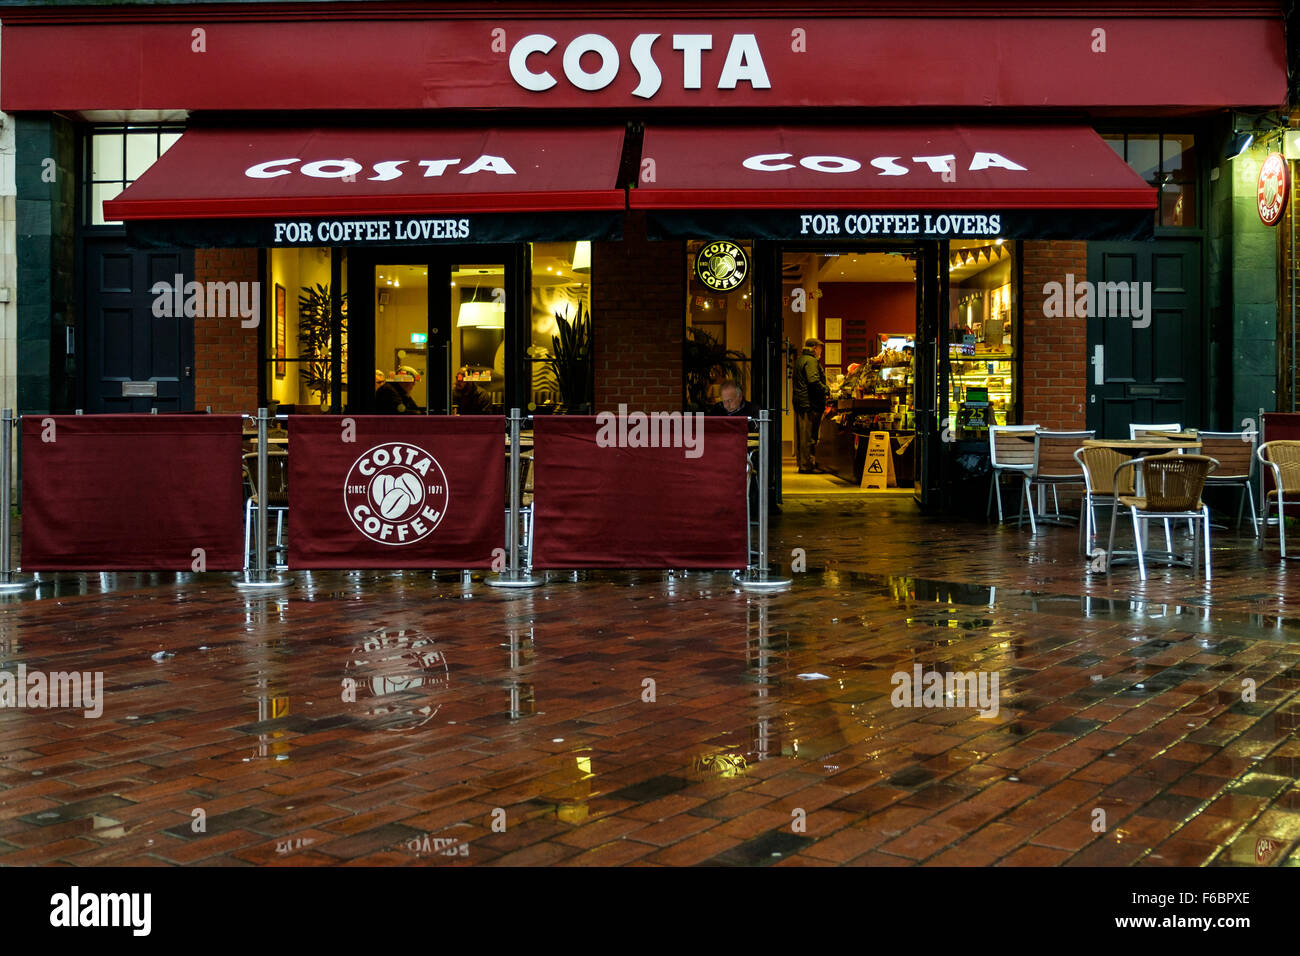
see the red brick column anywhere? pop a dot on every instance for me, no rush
(1054, 367)
(225, 353)
(638, 308)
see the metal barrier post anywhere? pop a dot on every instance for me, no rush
(256, 577)
(7, 582)
(759, 579)
(513, 576)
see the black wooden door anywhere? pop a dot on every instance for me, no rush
(1146, 368)
(129, 351)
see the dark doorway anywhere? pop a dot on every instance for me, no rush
(134, 360)
(1147, 368)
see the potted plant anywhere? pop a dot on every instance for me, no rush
(315, 324)
(571, 362)
(706, 361)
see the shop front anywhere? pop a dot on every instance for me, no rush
(386, 252)
(898, 248)
(490, 213)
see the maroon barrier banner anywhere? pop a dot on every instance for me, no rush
(603, 499)
(132, 493)
(396, 491)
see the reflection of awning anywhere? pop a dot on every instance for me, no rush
(898, 181)
(377, 184)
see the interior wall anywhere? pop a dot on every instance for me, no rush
(867, 310)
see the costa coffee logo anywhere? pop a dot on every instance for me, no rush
(722, 266)
(396, 493)
(591, 62)
(1274, 186)
(348, 169)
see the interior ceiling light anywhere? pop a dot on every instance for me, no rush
(582, 257)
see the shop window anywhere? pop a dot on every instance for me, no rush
(300, 331)
(1169, 162)
(117, 156)
(983, 361)
(719, 321)
(478, 345)
(559, 359)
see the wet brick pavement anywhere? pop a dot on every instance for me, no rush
(374, 718)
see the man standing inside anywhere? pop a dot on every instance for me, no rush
(810, 391)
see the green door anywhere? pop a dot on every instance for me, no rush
(1146, 357)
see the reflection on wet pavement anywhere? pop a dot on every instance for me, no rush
(672, 719)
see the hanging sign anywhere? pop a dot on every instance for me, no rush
(722, 266)
(1274, 188)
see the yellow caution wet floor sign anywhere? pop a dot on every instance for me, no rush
(878, 472)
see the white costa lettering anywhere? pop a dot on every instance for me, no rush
(384, 171)
(529, 58)
(885, 165)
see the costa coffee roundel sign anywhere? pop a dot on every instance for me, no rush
(396, 493)
(1274, 188)
(722, 266)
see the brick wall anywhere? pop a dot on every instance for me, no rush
(1055, 366)
(638, 305)
(225, 353)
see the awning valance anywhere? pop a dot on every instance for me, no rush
(374, 184)
(904, 181)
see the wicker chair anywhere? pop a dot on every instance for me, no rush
(1282, 458)
(1008, 455)
(1171, 488)
(1235, 453)
(1099, 466)
(1054, 465)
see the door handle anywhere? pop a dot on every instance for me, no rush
(1099, 365)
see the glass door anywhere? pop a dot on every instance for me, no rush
(430, 325)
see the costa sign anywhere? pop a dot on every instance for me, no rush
(591, 62)
(885, 165)
(1273, 188)
(383, 171)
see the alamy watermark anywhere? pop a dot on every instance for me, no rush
(1071, 299)
(219, 300)
(36, 690)
(953, 689)
(683, 430)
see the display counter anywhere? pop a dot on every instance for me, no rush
(846, 432)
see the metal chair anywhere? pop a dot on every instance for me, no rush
(1054, 465)
(1169, 486)
(1008, 454)
(277, 501)
(1283, 460)
(1235, 453)
(1099, 466)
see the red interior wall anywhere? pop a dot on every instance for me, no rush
(867, 308)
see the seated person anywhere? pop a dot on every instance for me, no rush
(468, 397)
(733, 403)
(393, 397)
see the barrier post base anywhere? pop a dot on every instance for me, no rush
(755, 579)
(9, 583)
(252, 581)
(512, 579)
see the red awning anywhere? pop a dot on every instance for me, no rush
(225, 173)
(895, 167)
